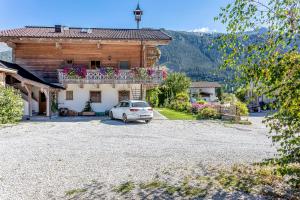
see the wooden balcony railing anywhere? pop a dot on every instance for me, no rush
(122, 77)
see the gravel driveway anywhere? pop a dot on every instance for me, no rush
(43, 160)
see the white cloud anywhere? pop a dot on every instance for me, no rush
(203, 30)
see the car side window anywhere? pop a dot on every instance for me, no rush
(126, 104)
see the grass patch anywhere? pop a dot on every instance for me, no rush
(75, 191)
(176, 115)
(249, 179)
(268, 180)
(153, 185)
(125, 188)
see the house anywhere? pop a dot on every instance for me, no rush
(205, 90)
(76, 65)
(69, 66)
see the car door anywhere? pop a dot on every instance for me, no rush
(115, 110)
(124, 108)
(118, 110)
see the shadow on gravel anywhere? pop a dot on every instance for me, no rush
(121, 123)
(97, 190)
(65, 119)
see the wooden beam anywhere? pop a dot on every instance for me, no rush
(30, 82)
(81, 41)
(2, 79)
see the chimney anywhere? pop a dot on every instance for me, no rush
(58, 28)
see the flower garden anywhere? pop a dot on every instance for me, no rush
(139, 73)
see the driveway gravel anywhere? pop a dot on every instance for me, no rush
(44, 160)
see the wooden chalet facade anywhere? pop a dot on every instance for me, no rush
(76, 64)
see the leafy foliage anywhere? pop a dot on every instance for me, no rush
(152, 96)
(271, 64)
(11, 105)
(181, 102)
(220, 93)
(242, 108)
(174, 84)
(88, 107)
(208, 113)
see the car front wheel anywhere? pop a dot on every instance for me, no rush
(124, 118)
(148, 121)
(111, 115)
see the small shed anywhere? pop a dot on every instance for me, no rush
(205, 90)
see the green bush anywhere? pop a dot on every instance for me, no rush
(201, 101)
(242, 108)
(181, 102)
(208, 113)
(180, 106)
(182, 96)
(229, 98)
(241, 93)
(11, 105)
(152, 96)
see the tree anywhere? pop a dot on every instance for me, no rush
(11, 105)
(220, 93)
(270, 61)
(88, 107)
(176, 83)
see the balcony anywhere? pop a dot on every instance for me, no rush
(111, 76)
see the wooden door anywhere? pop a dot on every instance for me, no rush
(124, 95)
(42, 103)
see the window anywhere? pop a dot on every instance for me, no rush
(69, 62)
(95, 96)
(124, 65)
(124, 104)
(140, 104)
(95, 64)
(69, 95)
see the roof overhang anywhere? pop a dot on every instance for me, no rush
(7, 70)
(7, 39)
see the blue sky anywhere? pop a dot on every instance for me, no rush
(169, 14)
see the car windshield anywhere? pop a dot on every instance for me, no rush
(140, 104)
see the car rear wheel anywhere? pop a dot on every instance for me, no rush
(124, 118)
(148, 121)
(111, 115)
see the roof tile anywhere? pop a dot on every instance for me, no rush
(97, 33)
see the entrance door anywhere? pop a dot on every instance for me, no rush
(42, 104)
(124, 95)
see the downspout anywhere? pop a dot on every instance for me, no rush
(141, 54)
(141, 65)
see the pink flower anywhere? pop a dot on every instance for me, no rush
(164, 74)
(66, 70)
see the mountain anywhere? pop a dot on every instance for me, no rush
(194, 54)
(6, 56)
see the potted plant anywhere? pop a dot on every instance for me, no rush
(88, 111)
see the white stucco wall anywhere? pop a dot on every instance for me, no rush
(109, 96)
(211, 91)
(34, 106)
(25, 108)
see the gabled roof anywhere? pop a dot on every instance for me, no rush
(205, 84)
(95, 33)
(25, 73)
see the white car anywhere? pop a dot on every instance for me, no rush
(132, 110)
